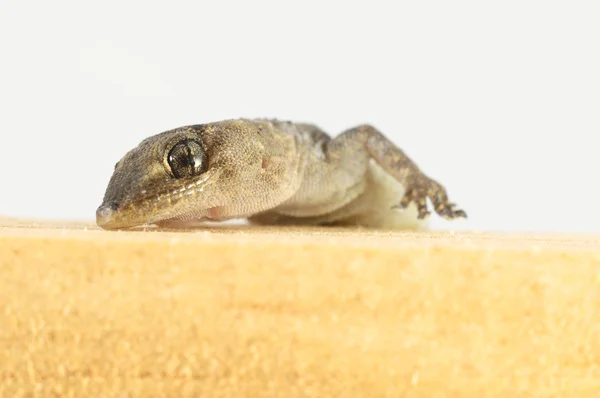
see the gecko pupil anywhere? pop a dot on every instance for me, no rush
(187, 158)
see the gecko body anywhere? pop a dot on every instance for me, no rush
(270, 172)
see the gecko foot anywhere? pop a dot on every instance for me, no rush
(421, 187)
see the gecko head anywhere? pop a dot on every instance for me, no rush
(168, 176)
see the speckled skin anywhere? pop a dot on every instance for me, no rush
(272, 172)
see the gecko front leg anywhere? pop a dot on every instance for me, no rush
(418, 186)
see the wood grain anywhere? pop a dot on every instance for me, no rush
(296, 312)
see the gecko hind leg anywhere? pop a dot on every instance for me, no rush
(418, 186)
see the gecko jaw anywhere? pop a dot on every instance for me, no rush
(153, 207)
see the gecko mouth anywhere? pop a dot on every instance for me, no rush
(157, 205)
(109, 216)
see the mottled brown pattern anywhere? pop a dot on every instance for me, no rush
(268, 171)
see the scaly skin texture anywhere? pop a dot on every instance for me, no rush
(270, 172)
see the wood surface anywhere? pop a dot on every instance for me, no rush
(235, 311)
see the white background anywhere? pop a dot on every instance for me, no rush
(498, 100)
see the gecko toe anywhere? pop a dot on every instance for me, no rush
(404, 202)
(423, 214)
(452, 212)
(422, 208)
(460, 213)
(448, 210)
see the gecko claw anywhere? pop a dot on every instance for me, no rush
(449, 210)
(419, 189)
(423, 214)
(461, 214)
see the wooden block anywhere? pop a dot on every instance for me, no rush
(296, 312)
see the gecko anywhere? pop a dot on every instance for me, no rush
(270, 172)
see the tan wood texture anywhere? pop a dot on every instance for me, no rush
(296, 312)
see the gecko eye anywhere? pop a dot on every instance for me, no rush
(187, 158)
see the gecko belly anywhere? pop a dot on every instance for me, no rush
(373, 208)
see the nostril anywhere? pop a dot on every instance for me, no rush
(113, 205)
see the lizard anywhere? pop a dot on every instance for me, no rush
(270, 172)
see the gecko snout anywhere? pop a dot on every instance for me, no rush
(104, 214)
